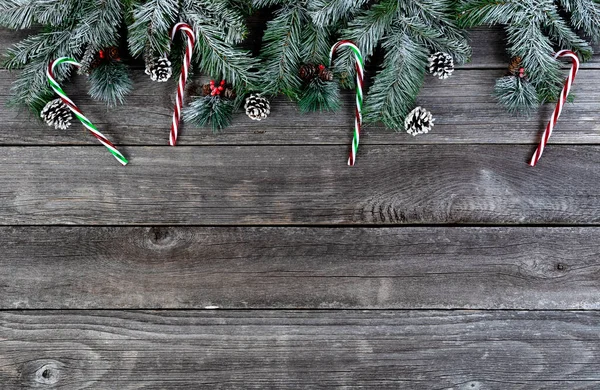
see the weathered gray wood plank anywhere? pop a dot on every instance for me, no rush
(300, 349)
(400, 268)
(299, 185)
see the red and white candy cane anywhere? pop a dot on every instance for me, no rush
(360, 70)
(187, 59)
(85, 121)
(561, 102)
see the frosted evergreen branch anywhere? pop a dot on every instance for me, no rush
(396, 86)
(99, 23)
(535, 49)
(110, 82)
(152, 24)
(23, 14)
(282, 51)
(219, 14)
(585, 15)
(328, 13)
(222, 61)
(316, 44)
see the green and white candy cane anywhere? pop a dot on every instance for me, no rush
(360, 71)
(85, 121)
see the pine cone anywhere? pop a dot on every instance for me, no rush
(56, 113)
(419, 121)
(257, 107)
(308, 71)
(206, 90)
(441, 65)
(229, 93)
(516, 67)
(325, 74)
(148, 58)
(86, 61)
(112, 53)
(159, 70)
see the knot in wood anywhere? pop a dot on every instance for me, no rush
(47, 374)
(159, 234)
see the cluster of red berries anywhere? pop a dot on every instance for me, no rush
(111, 53)
(214, 91)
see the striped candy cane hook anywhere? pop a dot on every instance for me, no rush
(559, 106)
(187, 59)
(360, 70)
(85, 121)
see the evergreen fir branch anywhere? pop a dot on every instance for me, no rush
(534, 28)
(44, 46)
(535, 49)
(282, 51)
(244, 7)
(110, 82)
(219, 14)
(368, 28)
(31, 88)
(222, 61)
(99, 23)
(474, 13)
(270, 3)
(585, 15)
(396, 86)
(152, 26)
(328, 13)
(560, 32)
(319, 95)
(516, 95)
(23, 14)
(18, 14)
(430, 23)
(32, 55)
(209, 110)
(437, 40)
(316, 44)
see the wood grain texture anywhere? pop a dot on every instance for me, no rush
(299, 185)
(400, 268)
(290, 170)
(300, 349)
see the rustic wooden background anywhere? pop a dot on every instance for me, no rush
(256, 258)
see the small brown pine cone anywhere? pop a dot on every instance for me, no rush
(325, 74)
(112, 53)
(308, 71)
(229, 93)
(206, 90)
(515, 65)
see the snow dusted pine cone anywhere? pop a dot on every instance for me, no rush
(86, 61)
(441, 65)
(56, 113)
(257, 107)
(159, 69)
(419, 121)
